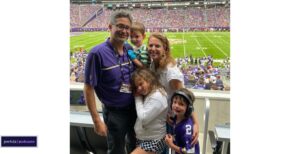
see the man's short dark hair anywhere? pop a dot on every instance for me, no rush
(119, 14)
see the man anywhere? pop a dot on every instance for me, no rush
(219, 83)
(107, 72)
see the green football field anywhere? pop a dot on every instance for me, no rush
(198, 44)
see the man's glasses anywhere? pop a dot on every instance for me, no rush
(121, 27)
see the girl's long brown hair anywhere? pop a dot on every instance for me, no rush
(149, 77)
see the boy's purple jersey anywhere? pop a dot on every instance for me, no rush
(184, 135)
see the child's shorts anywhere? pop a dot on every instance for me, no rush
(156, 146)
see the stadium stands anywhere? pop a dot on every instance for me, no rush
(198, 75)
(193, 18)
(199, 72)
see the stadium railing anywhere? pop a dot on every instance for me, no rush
(212, 108)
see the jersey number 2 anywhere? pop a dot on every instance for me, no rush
(188, 130)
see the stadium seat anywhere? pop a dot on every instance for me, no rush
(76, 144)
(98, 143)
(216, 145)
(212, 139)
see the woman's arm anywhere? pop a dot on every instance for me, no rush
(195, 128)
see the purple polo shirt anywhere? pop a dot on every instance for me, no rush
(184, 135)
(106, 71)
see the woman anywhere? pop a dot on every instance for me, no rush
(164, 65)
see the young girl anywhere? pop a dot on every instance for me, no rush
(151, 107)
(182, 106)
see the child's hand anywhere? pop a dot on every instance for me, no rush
(170, 118)
(169, 139)
(131, 54)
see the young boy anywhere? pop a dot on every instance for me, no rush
(140, 55)
(182, 106)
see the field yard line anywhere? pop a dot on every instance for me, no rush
(224, 41)
(227, 36)
(215, 45)
(90, 38)
(183, 44)
(200, 46)
(94, 42)
(84, 38)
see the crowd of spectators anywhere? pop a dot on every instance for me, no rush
(202, 73)
(199, 72)
(79, 14)
(190, 17)
(77, 65)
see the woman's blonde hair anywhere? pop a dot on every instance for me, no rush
(168, 59)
